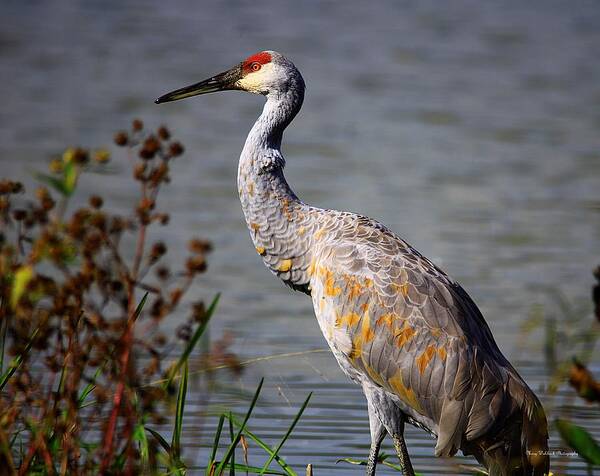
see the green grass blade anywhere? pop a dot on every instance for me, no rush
(56, 183)
(280, 461)
(234, 443)
(16, 362)
(140, 306)
(139, 435)
(176, 440)
(580, 440)
(89, 387)
(193, 341)
(215, 446)
(161, 441)
(253, 469)
(232, 464)
(287, 434)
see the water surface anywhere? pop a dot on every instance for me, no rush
(473, 131)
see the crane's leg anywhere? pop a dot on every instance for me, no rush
(377, 435)
(402, 451)
(384, 412)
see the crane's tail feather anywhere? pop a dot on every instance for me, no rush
(534, 439)
(520, 445)
(533, 447)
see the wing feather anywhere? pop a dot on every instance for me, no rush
(405, 326)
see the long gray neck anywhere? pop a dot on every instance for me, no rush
(276, 218)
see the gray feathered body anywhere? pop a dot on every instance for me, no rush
(396, 323)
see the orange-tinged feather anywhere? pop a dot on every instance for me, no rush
(405, 334)
(407, 395)
(424, 359)
(285, 265)
(366, 333)
(350, 320)
(355, 290)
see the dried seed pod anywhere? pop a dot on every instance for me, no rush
(101, 156)
(582, 380)
(80, 156)
(116, 225)
(8, 186)
(164, 218)
(139, 171)
(44, 198)
(158, 308)
(158, 173)
(150, 147)
(176, 296)
(163, 133)
(199, 311)
(146, 154)
(96, 201)
(137, 125)
(163, 273)
(175, 149)
(56, 166)
(184, 332)
(157, 251)
(199, 246)
(146, 204)
(196, 264)
(160, 340)
(19, 214)
(121, 138)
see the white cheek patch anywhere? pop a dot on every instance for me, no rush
(255, 81)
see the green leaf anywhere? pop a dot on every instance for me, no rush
(56, 183)
(22, 277)
(139, 435)
(253, 469)
(158, 437)
(215, 446)
(89, 387)
(287, 434)
(580, 440)
(16, 362)
(140, 306)
(176, 440)
(357, 462)
(231, 447)
(280, 461)
(232, 464)
(192, 343)
(70, 174)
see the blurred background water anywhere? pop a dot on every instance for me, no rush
(470, 128)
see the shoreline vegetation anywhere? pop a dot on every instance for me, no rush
(87, 375)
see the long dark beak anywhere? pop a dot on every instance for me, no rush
(221, 82)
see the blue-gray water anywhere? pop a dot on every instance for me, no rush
(471, 128)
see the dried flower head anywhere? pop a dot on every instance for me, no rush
(121, 138)
(96, 201)
(137, 125)
(176, 149)
(163, 133)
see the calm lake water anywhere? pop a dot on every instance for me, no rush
(471, 128)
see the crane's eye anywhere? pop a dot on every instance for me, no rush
(255, 66)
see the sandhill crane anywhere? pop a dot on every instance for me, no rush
(398, 326)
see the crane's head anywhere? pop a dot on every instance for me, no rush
(267, 72)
